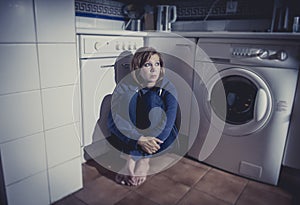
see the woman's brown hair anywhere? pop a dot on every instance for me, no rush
(141, 56)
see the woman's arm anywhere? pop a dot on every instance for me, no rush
(171, 106)
(119, 121)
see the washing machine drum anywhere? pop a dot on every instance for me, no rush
(239, 101)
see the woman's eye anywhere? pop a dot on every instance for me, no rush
(147, 64)
(157, 64)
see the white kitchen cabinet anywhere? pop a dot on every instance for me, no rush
(17, 21)
(60, 106)
(57, 65)
(23, 158)
(96, 84)
(179, 47)
(21, 115)
(55, 20)
(65, 178)
(62, 144)
(178, 55)
(19, 68)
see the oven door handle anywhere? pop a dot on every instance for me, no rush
(107, 66)
(125, 65)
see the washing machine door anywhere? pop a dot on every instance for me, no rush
(239, 101)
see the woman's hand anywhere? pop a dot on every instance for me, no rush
(149, 144)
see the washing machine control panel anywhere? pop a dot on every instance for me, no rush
(261, 53)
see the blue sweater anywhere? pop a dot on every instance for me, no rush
(137, 112)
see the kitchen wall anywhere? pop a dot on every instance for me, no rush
(39, 102)
(99, 14)
(223, 15)
(193, 15)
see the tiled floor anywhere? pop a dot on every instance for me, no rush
(187, 182)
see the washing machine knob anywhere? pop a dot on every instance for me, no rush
(263, 53)
(282, 55)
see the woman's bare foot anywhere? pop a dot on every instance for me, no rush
(125, 180)
(140, 171)
(126, 174)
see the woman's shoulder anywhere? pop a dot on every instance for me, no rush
(169, 87)
(126, 86)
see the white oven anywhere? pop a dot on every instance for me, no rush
(97, 75)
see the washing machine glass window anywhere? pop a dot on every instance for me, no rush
(239, 99)
(240, 95)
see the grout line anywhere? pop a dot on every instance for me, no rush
(78, 199)
(194, 185)
(212, 168)
(41, 99)
(62, 163)
(39, 132)
(19, 92)
(242, 192)
(27, 177)
(40, 86)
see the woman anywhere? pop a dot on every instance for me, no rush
(142, 117)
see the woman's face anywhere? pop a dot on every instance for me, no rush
(150, 71)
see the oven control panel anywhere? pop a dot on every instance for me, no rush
(108, 46)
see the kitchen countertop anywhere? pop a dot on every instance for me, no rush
(93, 31)
(294, 37)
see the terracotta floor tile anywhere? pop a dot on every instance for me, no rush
(161, 163)
(222, 185)
(196, 197)
(162, 190)
(185, 173)
(186, 182)
(135, 199)
(70, 200)
(111, 161)
(195, 163)
(102, 191)
(262, 194)
(89, 173)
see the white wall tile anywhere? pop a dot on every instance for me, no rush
(98, 23)
(118, 25)
(108, 24)
(23, 157)
(17, 21)
(33, 191)
(63, 144)
(60, 105)
(21, 115)
(85, 22)
(78, 130)
(58, 64)
(19, 68)
(55, 20)
(65, 179)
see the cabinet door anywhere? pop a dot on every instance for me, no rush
(97, 81)
(182, 48)
(178, 55)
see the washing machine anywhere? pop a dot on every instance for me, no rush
(245, 93)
